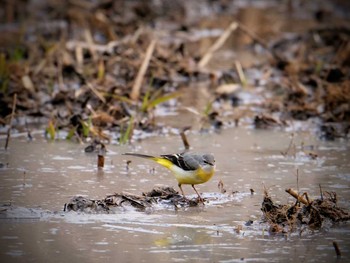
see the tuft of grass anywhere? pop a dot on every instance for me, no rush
(154, 102)
(86, 127)
(71, 133)
(101, 71)
(151, 101)
(125, 136)
(145, 101)
(51, 130)
(241, 74)
(17, 54)
(120, 98)
(208, 109)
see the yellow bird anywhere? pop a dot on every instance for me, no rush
(188, 168)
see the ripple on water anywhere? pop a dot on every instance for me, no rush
(15, 253)
(9, 237)
(47, 170)
(62, 158)
(339, 186)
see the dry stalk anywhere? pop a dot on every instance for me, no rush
(135, 93)
(218, 43)
(240, 72)
(96, 92)
(300, 198)
(259, 40)
(285, 153)
(184, 138)
(336, 248)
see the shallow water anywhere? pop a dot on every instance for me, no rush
(38, 177)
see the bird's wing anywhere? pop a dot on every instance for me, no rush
(193, 160)
(184, 161)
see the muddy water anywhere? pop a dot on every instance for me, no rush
(39, 177)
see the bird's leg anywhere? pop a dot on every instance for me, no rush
(182, 191)
(199, 196)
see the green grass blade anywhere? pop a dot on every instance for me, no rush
(162, 99)
(145, 101)
(71, 133)
(50, 130)
(126, 136)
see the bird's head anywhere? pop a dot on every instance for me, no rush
(209, 160)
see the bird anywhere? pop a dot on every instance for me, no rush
(188, 168)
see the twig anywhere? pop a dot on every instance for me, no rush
(96, 92)
(221, 187)
(266, 194)
(321, 192)
(128, 162)
(79, 56)
(289, 146)
(296, 196)
(74, 44)
(10, 125)
(108, 48)
(336, 247)
(218, 43)
(135, 93)
(253, 35)
(93, 112)
(29, 135)
(298, 180)
(256, 38)
(306, 196)
(184, 138)
(101, 156)
(240, 72)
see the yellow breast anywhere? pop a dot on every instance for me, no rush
(205, 175)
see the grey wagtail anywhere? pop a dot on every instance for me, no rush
(188, 168)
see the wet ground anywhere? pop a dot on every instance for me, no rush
(39, 177)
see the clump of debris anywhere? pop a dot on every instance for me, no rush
(166, 196)
(305, 212)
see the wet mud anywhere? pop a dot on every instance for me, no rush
(164, 196)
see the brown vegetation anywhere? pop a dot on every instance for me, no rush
(89, 66)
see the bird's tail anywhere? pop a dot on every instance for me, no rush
(141, 155)
(161, 160)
